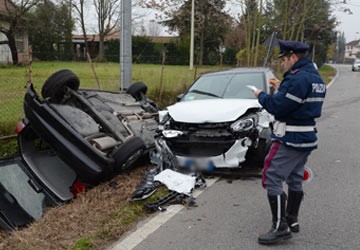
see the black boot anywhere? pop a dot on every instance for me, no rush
(279, 230)
(292, 209)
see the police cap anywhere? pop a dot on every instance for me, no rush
(290, 47)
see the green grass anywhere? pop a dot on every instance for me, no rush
(9, 148)
(327, 73)
(83, 244)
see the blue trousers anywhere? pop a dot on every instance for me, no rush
(283, 163)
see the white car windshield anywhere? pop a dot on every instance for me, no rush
(225, 86)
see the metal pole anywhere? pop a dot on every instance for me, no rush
(125, 45)
(192, 35)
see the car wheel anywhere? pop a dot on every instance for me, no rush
(128, 153)
(137, 90)
(55, 86)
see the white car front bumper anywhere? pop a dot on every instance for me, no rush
(230, 159)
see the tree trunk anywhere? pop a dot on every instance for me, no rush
(101, 56)
(12, 44)
(201, 52)
(85, 41)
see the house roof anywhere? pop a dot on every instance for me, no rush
(94, 38)
(354, 43)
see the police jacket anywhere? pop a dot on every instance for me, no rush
(296, 104)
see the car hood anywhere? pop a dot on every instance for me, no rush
(211, 111)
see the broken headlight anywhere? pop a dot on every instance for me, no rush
(245, 124)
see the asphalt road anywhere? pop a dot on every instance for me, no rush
(231, 215)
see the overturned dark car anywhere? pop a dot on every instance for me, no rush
(95, 132)
(71, 139)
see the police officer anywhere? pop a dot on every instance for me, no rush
(295, 105)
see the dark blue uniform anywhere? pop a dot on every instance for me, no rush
(295, 105)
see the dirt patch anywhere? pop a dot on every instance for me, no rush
(96, 215)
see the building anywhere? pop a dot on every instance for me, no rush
(93, 41)
(352, 50)
(21, 36)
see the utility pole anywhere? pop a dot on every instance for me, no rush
(125, 45)
(192, 35)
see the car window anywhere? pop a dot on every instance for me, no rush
(16, 182)
(227, 86)
(237, 86)
(208, 87)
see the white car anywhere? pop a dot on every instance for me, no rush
(217, 123)
(356, 65)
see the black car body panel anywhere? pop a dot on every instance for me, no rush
(90, 165)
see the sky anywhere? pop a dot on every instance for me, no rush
(349, 24)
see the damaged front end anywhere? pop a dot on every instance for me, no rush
(213, 145)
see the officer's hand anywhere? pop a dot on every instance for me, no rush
(256, 91)
(274, 82)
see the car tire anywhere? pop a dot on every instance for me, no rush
(128, 153)
(55, 86)
(137, 90)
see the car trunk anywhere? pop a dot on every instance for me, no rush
(31, 183)
(20, 203)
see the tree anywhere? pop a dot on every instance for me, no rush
(50, 25)
(211, 24)
(80, 8)
(319, 31)
(309, 21)
(16, 11)
(108, 19)
(252, 22)
(340, 48)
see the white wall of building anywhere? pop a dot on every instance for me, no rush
(5, 53)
